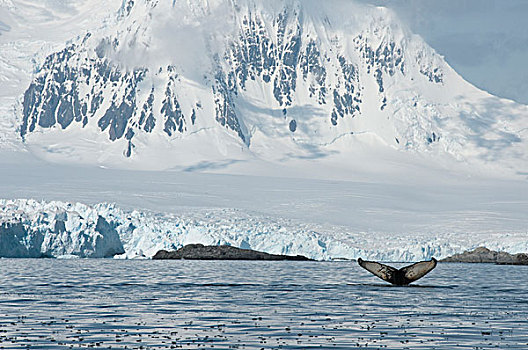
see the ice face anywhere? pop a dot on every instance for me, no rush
(54, 229)
(33, 229)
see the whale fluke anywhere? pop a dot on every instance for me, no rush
(402, 276)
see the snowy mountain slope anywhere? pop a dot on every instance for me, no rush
(483, 40)
(189, 82)
(30, 31)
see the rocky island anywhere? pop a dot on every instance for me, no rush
(222, 252)
(484, 255)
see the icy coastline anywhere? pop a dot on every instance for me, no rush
(30, 228)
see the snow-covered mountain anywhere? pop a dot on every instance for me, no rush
(171, 83)
(29, 31)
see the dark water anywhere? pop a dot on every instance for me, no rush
(253, 305)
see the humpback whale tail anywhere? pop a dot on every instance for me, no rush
(402, 276)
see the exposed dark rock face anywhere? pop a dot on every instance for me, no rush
(484, 255)
(223, 252)
(225, 105)
(84, 84)
(55, 97)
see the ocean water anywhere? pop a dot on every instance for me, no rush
(149, 304)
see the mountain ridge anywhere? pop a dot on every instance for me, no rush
(281, 81)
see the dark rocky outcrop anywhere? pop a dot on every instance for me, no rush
(223, 252)
(484, 255)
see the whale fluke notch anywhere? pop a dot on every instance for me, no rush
(400, 277)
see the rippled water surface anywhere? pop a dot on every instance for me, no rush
(253, 305)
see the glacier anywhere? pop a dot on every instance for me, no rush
(59, 229)
(30, 229)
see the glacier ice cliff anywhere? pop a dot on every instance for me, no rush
(30, 228)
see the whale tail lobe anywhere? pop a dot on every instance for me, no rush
(402, 276)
